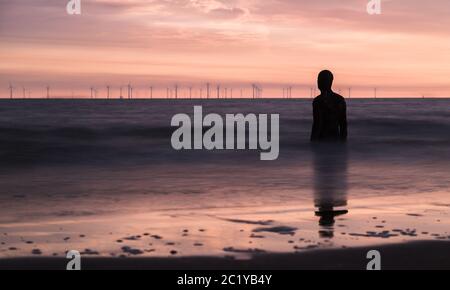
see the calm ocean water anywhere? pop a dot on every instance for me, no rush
(394, 145)
(66, 159)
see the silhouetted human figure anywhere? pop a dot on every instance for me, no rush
(330, 112)
(330, 184)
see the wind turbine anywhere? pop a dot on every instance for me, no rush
(176, 91)
(207, 90)
(349, 93)
(256, 88)
(48, 92)
(107, 91)
(121, 96)
(218, 91)
(375, 92)
(287, 92)
(151, 92)
(92, 92)
(11, 88)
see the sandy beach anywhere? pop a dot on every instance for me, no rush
(408, 256)
(278, 237)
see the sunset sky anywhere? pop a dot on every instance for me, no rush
(405, 51)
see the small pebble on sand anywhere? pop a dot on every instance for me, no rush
(89, 252)
(36, 252)
(131, 251)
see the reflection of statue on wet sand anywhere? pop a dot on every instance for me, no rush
(330, 156)
(330, 184)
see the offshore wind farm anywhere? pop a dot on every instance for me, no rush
(207, 90)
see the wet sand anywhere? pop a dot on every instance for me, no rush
(432, 255)
(237, 233)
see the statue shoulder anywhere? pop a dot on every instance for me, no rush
(340, 98)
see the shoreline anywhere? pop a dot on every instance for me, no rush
(420, 255)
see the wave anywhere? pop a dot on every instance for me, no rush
(86, 133)
(83, 132)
